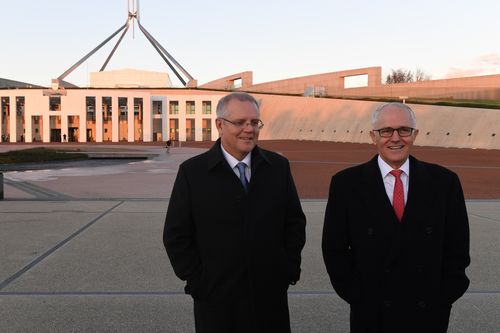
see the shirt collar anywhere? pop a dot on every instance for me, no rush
(386, 168)
(232, 160)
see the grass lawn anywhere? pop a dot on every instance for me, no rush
(39, 155)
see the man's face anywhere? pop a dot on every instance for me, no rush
(393, 150)
(238, 141)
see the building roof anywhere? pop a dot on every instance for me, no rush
(6, 83)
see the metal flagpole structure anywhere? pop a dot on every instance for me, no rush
(132, 16)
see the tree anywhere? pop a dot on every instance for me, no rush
(399, 76)
(402, 75)
(420, 75)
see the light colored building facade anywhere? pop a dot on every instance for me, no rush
(105, 115)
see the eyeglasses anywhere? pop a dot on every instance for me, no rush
(387, 132)
(241, 123)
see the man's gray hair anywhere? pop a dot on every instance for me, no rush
(222, 110)
(402, 106)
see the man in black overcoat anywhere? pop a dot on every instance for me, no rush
(396, 243)
(235, 229)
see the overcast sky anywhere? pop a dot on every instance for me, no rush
(275, 39)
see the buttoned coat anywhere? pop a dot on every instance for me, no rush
(224, 241)
(397, 276)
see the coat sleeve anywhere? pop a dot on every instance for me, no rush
(295, 229)
(336, 245)
(456, 256)
(179, 234)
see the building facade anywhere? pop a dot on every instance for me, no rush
(108, 115)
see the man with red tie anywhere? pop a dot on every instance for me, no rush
(396, 234)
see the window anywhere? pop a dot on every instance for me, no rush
(123, 107)
(190, 107)
(190, 129)
(174, 107)
(206, 107)
(55, 103)
(20, 106)
(237, 83)
(90, 103)
(157, 107)
(106, 107)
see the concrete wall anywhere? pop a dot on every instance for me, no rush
(306, 118)
(129, 78)
(332, 82)
(227, 83)
(477, 87)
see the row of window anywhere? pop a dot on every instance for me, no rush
(206, 107)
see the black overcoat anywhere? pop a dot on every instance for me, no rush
(224, 241)
(397, 276)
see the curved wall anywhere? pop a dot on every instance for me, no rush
(306, 118)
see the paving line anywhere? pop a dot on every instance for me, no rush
(178, 293)
(38, 191)
(484, 217)
(37, 260)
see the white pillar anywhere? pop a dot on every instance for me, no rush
(46, 126)
(114, 118)
(147, 119)
(28, 121)
(165, 126)
(215, 132)
(213, 115)
(64, 126)
(182, 120)
(13, 118)
(130, 119)
(198, 130)
(83, 127)
(98, 119)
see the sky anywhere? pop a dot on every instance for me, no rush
(276, 39)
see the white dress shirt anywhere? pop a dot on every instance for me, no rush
(390, 180)
(233, 162)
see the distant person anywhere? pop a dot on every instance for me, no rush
(64, 137)
(396, 234)
(168, 144)
(235, 229)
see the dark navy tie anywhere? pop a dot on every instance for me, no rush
(243, 178)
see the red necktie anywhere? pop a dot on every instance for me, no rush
(398, 197)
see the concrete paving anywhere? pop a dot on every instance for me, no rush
(83, 252)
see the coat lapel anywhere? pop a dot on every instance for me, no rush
(418, 192)
(375, 195)
(216, 160)
(217, 163)
(258, 159)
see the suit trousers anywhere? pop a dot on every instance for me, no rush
(359, 324)
(214, 317)
(241, 316)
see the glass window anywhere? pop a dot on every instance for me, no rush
(55, 103)
(190, 107)
(174, 107)
(206, 107)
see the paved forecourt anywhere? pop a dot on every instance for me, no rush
(73, 263)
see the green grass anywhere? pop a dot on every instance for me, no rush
(39, 155)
